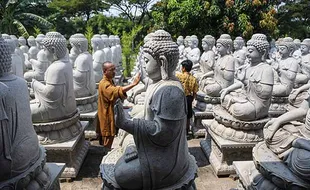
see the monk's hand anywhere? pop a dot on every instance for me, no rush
(271, 128)
(137, 79)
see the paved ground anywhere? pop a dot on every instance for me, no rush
(88, 178)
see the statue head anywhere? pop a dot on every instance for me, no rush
(11, 45)
(112, 40)
(180, 40)
(31, 41)
(80, 42)
(186, 41)
(55, 46)
(161, 56)
(305, 46)
(13, 37)
(238, 43)
(207, 42)
(193, 42)
(97, 43)
(39, 40)
(6, 36)
(297, 43)
(224, 44)
(117, 40)
(22, 41)
(257, 48)
(286, 47)
(106, 41)
(5, 58)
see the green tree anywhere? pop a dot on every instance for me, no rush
(294, 19)
(18, 18)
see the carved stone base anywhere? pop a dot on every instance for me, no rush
(55, 170)
(36, 177)
(250, 178)
(71, 152)
(90, 131)
(109, 183)
(87, 104)
(198, 129)
(278, 106)
(222, 152)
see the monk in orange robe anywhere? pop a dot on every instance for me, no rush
(108, 94)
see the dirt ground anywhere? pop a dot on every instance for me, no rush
(89, 178)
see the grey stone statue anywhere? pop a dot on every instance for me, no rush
(74, 53)
(33, 50)
(23, 44)
(180, 42)
(17, 62)
(22, 161)
(106, 49)
(194, 53)
(157, 159)
(240, 52)
(223, 70)
(98, 57)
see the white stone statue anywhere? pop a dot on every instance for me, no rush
(73, 52)
(98, 57)
(55, 100)
(207, 58)
(113, 50)
(187, 48)
(119, 50)
(194, 53)
(180, 42)
(23, 44)
(18, 51)
(39, 39)
(83, 74)
(22, 161)
(33, 50)
(240, 52)
(106, 49)
(17, 63)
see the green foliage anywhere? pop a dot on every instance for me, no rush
(18, 17)
(89, 34)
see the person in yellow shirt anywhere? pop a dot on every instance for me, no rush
(190, 85)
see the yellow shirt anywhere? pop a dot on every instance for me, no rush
(189, 83)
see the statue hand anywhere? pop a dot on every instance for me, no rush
(294, 94)
(137, 79)
(271, 128)
(223, 93)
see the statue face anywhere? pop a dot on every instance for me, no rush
(94, 46)
(283, 51)
(236, 46)
(304, 49)
(151, 66)
(221, 49)
(186, 43)
(253, 55)
(204, 45)
(179, 42)
(49, 55)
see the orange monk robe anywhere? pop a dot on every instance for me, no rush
(108, 94)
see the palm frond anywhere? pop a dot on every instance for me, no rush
(21, 28)
(37, 18)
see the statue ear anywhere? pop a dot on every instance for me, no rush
(291, 51)
(264, 55)
(228, 49)
(163, 67)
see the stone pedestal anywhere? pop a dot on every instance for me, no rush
(55, 170)
(222, 152)
(71, 152)
(91, 117)
(87, 104)
(203, 109)
(279, 105)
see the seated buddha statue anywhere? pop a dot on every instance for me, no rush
(83, 75)
(194, 53)
(286, 69)
(207, 59)
(17, 62)
(106, 48)
(21, 159)
(98, 57)
(73, 52)
(159, 157)
(33, 50)
(255, 82)
(180, 42)
(239, 53)
(54, 100)
(23, 44)
(224, 69)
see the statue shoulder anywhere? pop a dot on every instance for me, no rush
(264, 74)
(56, 73)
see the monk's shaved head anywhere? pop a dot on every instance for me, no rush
(106, 65)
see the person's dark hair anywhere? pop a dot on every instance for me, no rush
(187, 64)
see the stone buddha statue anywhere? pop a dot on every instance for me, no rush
(194, 53)
(180, 42)
(83, 75)
(23, 44)
(33, 50)
(55, 100)
(38, 66)
(286, 69)
(106, 47)
(240, 52)
(305, 56)
(73, 52)
(207, 58)
(283, 159)
(187, 48)
(158, 158)
(118, 50)
(114, 53)
(98, 57)
(18, 51)
(17, 63)
(297, 52)
(39, 40)
(253, 101)
(22, 161)
(224, 69)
